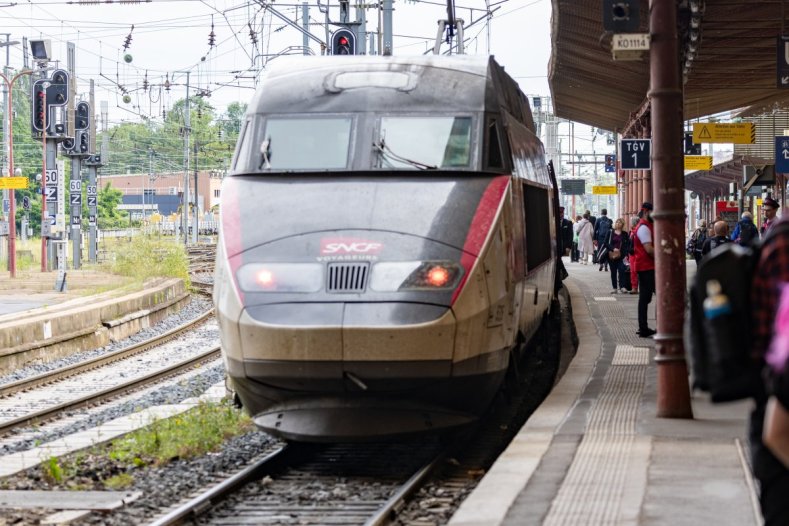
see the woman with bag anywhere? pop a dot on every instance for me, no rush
(618, 245)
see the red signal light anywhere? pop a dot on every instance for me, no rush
(343, 41)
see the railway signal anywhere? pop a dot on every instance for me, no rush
(343, 42)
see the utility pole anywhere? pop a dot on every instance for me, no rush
(361, 29)
(6, 131)
(305, 23)
(388, 46)
(187, 130)
(195, 218)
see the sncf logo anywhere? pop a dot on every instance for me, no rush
(336, 246)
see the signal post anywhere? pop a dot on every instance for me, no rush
(77, 148)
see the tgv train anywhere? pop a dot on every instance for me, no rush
(387, 243)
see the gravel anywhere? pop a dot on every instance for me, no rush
(161, 487)
(169, 393)
(172, 392)
(195, 308)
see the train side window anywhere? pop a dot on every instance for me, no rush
(536, 202)
(495, 157)
(243, 148)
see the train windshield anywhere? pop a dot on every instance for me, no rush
(305, 143)
(424, 142)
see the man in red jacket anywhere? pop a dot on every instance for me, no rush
(644, 255)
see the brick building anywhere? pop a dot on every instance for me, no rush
(163, 192)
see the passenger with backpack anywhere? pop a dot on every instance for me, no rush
(772, 273)
(696, 241)
(618, 246)
(733, 304)
(745, 232)
(721, 229)
(602, 227)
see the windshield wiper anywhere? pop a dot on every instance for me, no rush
(265, 154)
(385, 152)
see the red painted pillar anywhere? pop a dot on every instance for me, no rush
(673, 391)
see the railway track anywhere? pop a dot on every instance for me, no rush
(359, 484)
(43, 397)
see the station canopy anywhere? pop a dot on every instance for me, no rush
(717, 180)
(729, 48)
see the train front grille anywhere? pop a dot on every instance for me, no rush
(348, 277)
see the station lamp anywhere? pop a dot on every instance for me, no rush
(41, 49)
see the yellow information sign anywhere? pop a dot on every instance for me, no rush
(604, 190)
(13, 183)
(759, 201)
(733, 133)
(698, 162)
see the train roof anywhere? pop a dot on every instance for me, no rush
(342, 84)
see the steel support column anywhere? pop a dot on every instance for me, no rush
(673, 391)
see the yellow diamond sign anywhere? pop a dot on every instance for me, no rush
(730, 133)
(13, 183)
(604, 190)
(698, 162)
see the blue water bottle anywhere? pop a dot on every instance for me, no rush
(717, 303)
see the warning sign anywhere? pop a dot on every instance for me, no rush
(16, 183)
(731, 133)
(698, 162)
(604, 190)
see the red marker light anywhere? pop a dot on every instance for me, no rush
(438, 276)
(343, 41)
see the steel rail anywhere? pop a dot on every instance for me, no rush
(100, 361)
(387, 513)
(218, 493)
(119, 389)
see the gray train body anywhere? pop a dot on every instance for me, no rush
(387, 241)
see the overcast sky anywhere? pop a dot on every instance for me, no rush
(171, 36)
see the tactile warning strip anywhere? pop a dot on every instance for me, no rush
(629, 355)
(595, 484)
(604, 298)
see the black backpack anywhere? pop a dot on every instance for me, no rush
(748, 233)
(719, 342)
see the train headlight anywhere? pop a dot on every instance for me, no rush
(415, 275)
(280, 277)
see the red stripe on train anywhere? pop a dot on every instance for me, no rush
(483, 219)
(230, 215)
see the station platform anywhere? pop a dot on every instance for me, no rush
(595, 452)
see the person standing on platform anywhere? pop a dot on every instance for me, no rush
(770, 278)
(602, 227)
(721, 237)
(697, 240)
(745, 232)
(565, 234)
(585, 229)
(644, 251)
(631, 254)
(575, 257)
(618, 243)
(770, 208)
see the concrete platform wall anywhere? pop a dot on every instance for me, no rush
(49, 333)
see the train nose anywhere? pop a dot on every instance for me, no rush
(347, 347)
